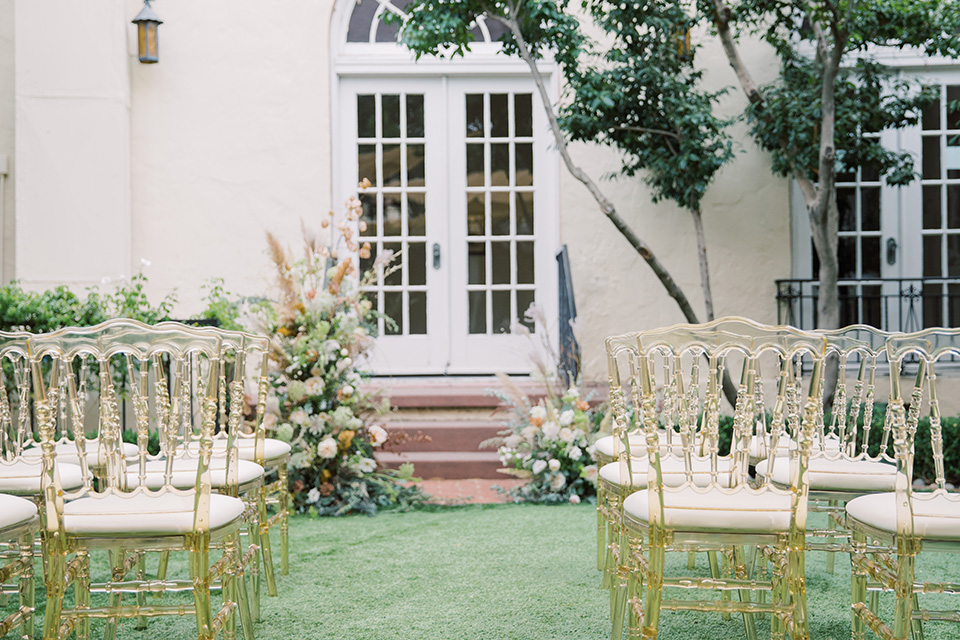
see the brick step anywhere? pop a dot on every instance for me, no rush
(446, 464)
(427, 435)
(447, 391)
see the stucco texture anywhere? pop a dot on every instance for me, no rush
(230, 137)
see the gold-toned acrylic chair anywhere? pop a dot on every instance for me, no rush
(20, 464)
(254, 446)
(174, 377)
(841, 465)
(890, 530)
(717, 508)
(244, 356)
(612, 488)
(19, 519)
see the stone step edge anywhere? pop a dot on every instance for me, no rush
(438, 456)
(422, 425)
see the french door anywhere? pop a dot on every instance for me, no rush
(459, 173)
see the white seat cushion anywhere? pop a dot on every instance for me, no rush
(716, 510)
(67, 452)
(185, 473)
(14, 510)
(935, 515)
(837, 475)
(759, 446)
(638, 444)
(272, 448)
(672, 470)
(22, 477)
(144, 513)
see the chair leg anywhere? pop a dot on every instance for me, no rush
(832, 521)
(162, 569)
(778, 594)
(54, 578)
(654, 586)
(726, 572)
(229, 588)
(796, 584)
(858, 587)
(81, 590)
(740, 570)
(141, 574)
(243, 599)
(200, 574)
(26, 583)
(284, 520)
(601, 530)
(265, 547)
(618, 603)
(253, 533)
(906, 558)
(117, 557)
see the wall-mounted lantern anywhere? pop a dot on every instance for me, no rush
(147, 22)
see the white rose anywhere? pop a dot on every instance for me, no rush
(365, 465)
(574, 453)
(270, 420)
(550, 431)
(539, 466)
(327, 448)
(314, 386)
(378, 435)
(589, 472)
(554, 464)
(538, 412)
(346, 390)
(567, 435)
(574, 499)
(566, 418)
(592, 452)
(513, 441)
(299, 417)
(558, 482)
(573, 392)
(273, 404)
(313, 495)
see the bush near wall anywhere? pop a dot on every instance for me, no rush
(41, 312)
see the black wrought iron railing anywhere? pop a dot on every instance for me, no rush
(893, 304)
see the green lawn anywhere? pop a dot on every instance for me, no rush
(484, 572)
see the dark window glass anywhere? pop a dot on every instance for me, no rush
(474, 115)
(396, 278)
(525, 214)
(500, 213)
(502, 317)
(524, 160)
(500, 257)
(475, 176)
(417, 261)
(415, 116)
(523, 114)
(478, 311)
(391, 115)
(524, 300)
(931, 207)
(931, 157)
(870, 257)
(393, 308)
(366, 117)
(847, 257)
(931, 113)
(418, 313)
(499, 116)
(932, 258)
(476, 263)
(500, 164)
(476, 215)
(416, 214)
(870, 208)
(847, 205)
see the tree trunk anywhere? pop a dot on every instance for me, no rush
(704, 268)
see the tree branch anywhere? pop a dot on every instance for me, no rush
(607, 207)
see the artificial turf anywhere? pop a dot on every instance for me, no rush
(482, 572)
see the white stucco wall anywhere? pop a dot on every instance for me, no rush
(230, 137)
(746, 224)
(6, 137)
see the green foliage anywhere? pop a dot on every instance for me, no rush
(222, 306)
(41, 312)
(639, 96)
(643, 97)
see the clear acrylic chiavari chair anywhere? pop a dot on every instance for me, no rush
(19, 519)
(707, 501)
(892, 530)
(173, 377)
(841, 465)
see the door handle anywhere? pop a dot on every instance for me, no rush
(436, 255)
(891, 251)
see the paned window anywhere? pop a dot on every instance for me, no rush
(391, 155)
(500, 206)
